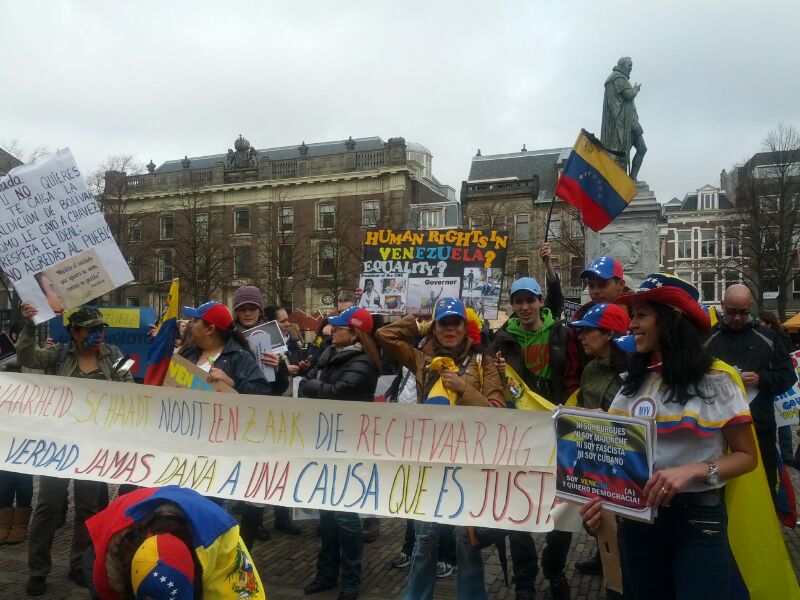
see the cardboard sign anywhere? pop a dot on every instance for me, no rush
(604, 456)
(408, 270)
(183, 373)
(55, 245)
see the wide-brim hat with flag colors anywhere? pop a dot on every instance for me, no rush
(664, 288)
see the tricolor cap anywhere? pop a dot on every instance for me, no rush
(213, 312)
(355, 317)
(162, 569)
(528, 284)
(448, 306)
(605, 316)
(626, 343)
(605, 267)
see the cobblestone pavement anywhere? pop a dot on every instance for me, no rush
(286, 565)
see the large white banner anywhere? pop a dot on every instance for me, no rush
(55, 245)
(459, 465)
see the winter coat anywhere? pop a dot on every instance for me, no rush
(239, 364)
(341, 374)
(484, 387)
(600, 382)
(62, 359)
(761, 350)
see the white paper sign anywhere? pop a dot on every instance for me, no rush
(55, 245)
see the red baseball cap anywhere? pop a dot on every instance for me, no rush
(355, 317)
(605, 316)
(215, 313)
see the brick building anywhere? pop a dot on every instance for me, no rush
(288, 219)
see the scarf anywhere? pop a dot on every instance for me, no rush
(431, 377)
(535, 345)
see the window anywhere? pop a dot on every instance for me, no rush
(241, 220)
(370, 213)
(555, 229)
(708, 243)
(686, 276)
(132, 301)
(522, 267)
(326, 216)
(326, 265)
(167, 227)
(287, 219)
(522, 227)
(431, 219)
(133, 265)
(684, 249)
(796, 285)
(476, 223)
(708, 287)
(499, 222)
(731, 278)
(731, 248)
(707, 201)
(575, 269)
(241, 262)
(164, 270)
(285, 255)
(201, 224)
(768, 204)
(576, 229)
(134, 230)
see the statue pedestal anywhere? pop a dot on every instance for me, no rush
(632, 238)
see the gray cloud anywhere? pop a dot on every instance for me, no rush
(166, 79)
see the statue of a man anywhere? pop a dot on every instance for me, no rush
(621, 128)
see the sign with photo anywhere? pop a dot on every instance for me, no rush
(55, 245)
(408, 270)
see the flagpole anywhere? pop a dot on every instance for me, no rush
(549, 217)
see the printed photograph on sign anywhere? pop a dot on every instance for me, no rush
(480, 290)
(424, 293)
(394, 293)
(369, 287)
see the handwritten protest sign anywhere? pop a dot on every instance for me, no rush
(457, 465)
(55, 245)
(410, 270)
(787, 405)
(604, 456)
(128, 329)
(183, 373)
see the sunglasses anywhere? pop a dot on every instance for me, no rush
(450, 321)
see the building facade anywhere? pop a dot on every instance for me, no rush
(515, 192)
(290, 220)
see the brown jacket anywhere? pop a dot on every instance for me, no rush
(394, 339)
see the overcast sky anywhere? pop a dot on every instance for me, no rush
(165, 79)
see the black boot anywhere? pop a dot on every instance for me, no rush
(593, 566)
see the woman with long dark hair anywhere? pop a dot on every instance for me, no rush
(704, 440)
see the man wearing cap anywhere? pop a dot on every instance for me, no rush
(532, 342)
(764, 362)
(605, 282)
(88, 357)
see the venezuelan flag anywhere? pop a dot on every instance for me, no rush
(228, 571)
(594, 183)
(160, 353)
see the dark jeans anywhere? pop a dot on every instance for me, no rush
(525, 562)
(684, 554)
(341, 548)
(48, 513)
(15, 485)
(252, 516)
(767, 444)
(447, 542)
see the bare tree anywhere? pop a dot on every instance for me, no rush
(339, 254)
(15, 149)
(201, 253)
(284, 259)
(767, 202)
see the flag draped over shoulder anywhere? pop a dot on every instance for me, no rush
(594, 183)
(754, 532)
(440, 394)
(160, 353)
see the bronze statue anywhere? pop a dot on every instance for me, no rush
(621, 129)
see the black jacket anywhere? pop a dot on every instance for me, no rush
(758, 349)
(240, 365)
(348, 374)
(553, 389)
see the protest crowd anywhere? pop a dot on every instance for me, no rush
(649, 352)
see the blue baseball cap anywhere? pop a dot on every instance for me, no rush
(528, 284)
(604, 267)
(605, 316)
(447, 306)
